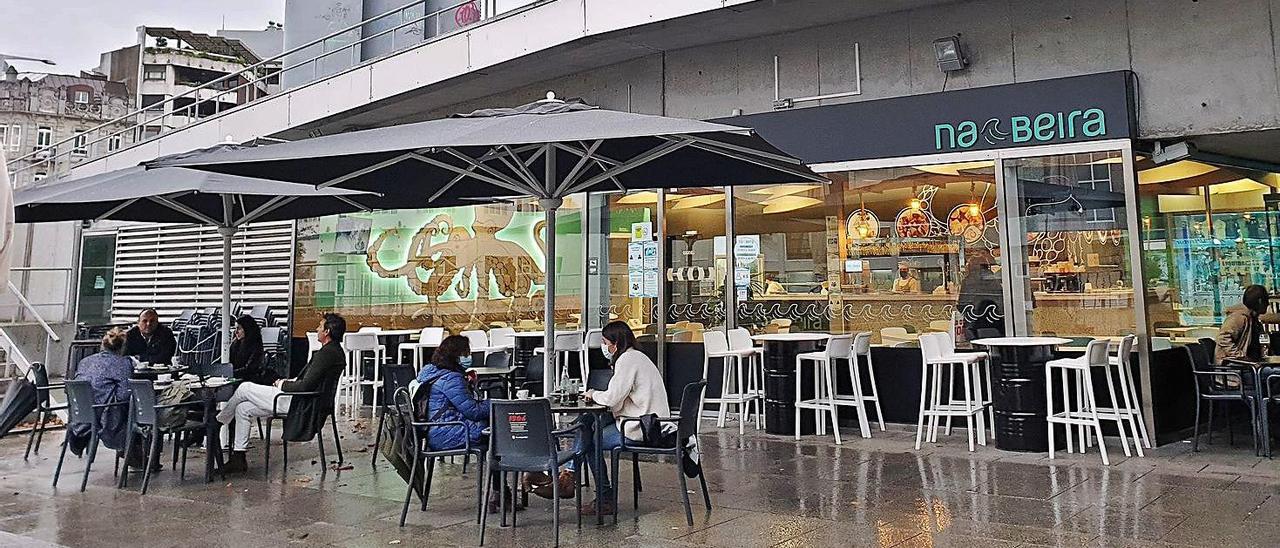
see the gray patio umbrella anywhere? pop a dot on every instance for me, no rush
(179, 195)
(546, 150)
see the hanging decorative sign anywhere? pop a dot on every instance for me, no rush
(862, 225)
(912, 223)
(966, 221)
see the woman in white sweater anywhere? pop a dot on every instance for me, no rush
(635, 390)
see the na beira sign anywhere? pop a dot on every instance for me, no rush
(1041, 112)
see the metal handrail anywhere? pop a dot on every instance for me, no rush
(48, 156)
(39, 319)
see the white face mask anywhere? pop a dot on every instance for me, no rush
(608, 354)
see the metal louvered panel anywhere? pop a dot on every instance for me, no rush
(176, 267)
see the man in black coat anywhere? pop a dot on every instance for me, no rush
(149, 340)
(252, 401)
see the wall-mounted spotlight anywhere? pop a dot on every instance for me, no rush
(949, 54)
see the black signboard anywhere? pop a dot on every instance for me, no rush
(1062, 110)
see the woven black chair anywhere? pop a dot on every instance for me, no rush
(686, 427)
(278, 415)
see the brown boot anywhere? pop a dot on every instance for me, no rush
(606, 508)
(565, 482)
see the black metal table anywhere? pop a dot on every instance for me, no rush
(582, 406)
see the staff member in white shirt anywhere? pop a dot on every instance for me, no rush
(635, 390)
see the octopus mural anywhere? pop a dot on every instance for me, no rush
(432, 267)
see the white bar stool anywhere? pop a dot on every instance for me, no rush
(357, 345)
(861, 348)
(593, 340)
(503, 338)
(740, 342)
(564, 344)
(734, 390)
(1123, 362)
(1076, 372)
(933, 372)
(429, 337)
(839, 347)
(478, 341)
(982, 378)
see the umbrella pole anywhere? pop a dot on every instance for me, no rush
(227, 233)
(550, 379)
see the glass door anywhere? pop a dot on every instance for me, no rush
(1069, 246)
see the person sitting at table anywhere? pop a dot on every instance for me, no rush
(635, 390)
(247, 359)
(772, 286)
(108, 373)
(252, 401)
(1238, 337)
(450, 399)
(149, 340)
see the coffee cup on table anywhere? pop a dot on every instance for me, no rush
(522, 394)
(164, 377)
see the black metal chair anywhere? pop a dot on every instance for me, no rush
(394, 377)
(533, 375)
(45, 408)
(82, 410)
(686, 427)
(412, 435)
(522, 439)
(144, 419)
(276, 415)
(1218, 384)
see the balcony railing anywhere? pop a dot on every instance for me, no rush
(248, 85)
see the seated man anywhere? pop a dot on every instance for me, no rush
(150, 341)
(252, 401)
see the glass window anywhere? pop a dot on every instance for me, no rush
(1207, 233)
(15, 138)
(4, 135)
(44, 137)
(1071, 262)
(113, 142)
(153, 72)
(894, 251)
(80, 147)
(620, 226)
(695, 266)
(81, 97)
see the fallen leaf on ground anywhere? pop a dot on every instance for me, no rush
(341, 467)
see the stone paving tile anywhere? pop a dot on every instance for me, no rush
(765, 490)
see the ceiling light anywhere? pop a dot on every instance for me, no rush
(640, 198)
(1173, 172)
(783, 190)
(783, 204)
(693, 202)
(915, 203)
(950, 56)
(954, 169)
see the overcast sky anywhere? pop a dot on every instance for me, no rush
(73, 32)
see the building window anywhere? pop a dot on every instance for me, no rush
(113, 143)
(81, 147)
(153, 72)
(44, 137)
(81, 97)
(4, 135)
(39, 175)
(15, 138)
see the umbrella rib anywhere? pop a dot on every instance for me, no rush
(460, 171)
(761, 162)
(169, 203)
(271, 205)
(577, 168)
(577, 152)
(520, 166)
(354, 203)
(650, 155)
(369, 169)
(744, 150)
(117, 209)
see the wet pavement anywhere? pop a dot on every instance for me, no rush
(765, 490)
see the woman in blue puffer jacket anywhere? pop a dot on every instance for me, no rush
(451, 398)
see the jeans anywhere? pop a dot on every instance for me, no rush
(610, 438)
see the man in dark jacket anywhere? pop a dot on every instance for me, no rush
(150, 341)
(252, 401)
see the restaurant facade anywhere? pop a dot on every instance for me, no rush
(1018, 209)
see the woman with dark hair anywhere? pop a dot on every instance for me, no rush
(635, 390)
(451, 398)
(246, 352)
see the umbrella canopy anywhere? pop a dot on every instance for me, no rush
(546, 150)
(178, 195)
(495, 153)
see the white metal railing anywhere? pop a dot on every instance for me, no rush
(248, 85)
(15, 354)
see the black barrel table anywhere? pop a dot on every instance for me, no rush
(1017, 369)
(780, 351)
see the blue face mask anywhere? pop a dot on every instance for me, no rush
(465, 361)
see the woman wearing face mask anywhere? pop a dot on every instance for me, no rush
(451, 399)
(635, 390)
